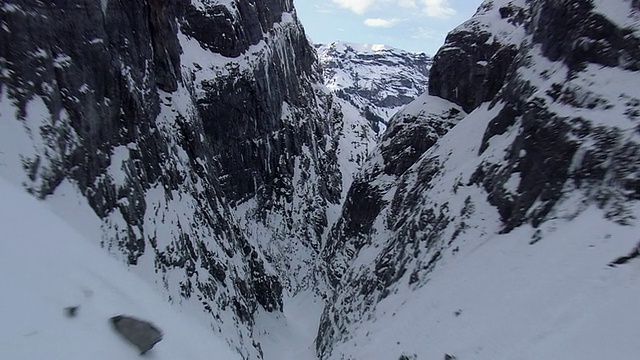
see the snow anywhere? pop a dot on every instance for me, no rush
(116, 170)
(169, 213)
(621, 14)
(357, 141)
(604, 95)
(8, 7)
(290, 336)
(486, 19)
(103, 6)
(373, 77)
(344, 46)
(534, 293)
(426, 104)
(500, 296)
(48, 267)
(506, 299)
(204, 5)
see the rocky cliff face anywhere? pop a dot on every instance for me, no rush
(411, 132)
(192, 140)
(552, 140)
(274, 131)
(471, 66)
(185, 126)
(377, 80)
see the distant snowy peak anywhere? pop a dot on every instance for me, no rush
(348, 47)
(377, 79)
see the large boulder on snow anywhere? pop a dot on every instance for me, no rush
(140, 333)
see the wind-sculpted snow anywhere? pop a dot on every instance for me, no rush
(495, 241)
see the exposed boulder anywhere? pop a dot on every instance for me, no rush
(140, 333)
(71, 311)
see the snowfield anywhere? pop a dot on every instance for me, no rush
(435, 267)
(506, 298)
(46, 266)
(491, 245)
(535, 293)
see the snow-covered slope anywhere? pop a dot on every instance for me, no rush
(500, 297)
(377, 80)
(46, 266)
(496, 218)
(515, 235)
(191, 139)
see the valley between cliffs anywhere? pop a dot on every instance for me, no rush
(479, 213)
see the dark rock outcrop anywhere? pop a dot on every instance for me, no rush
(275, 138)
(553, 151)
(595, 39)
(230, 31)
(471, 67)
(411, 133)
(140, 333)
(550, 136)
(633, 254)
(161, 146)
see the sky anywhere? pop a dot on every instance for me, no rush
(413, 25)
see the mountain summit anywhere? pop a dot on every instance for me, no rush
(377, 79)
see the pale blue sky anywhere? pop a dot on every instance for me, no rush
(414, 25)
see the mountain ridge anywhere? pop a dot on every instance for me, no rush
(125, 110)
(196, 142)
(376, 79)
(550, 139)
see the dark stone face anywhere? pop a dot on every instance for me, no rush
(407, 138)
(471, 72)
(541, 133)
(472, 65)
(230, 32)
(140, 333)
(242, 111)
(73, 55)
(570, 31)
(567, 31)
(101, 70)
(544, 151)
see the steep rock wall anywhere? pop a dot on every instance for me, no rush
(274, 132)
(161, 114)
(556, 135)
(471, 66)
